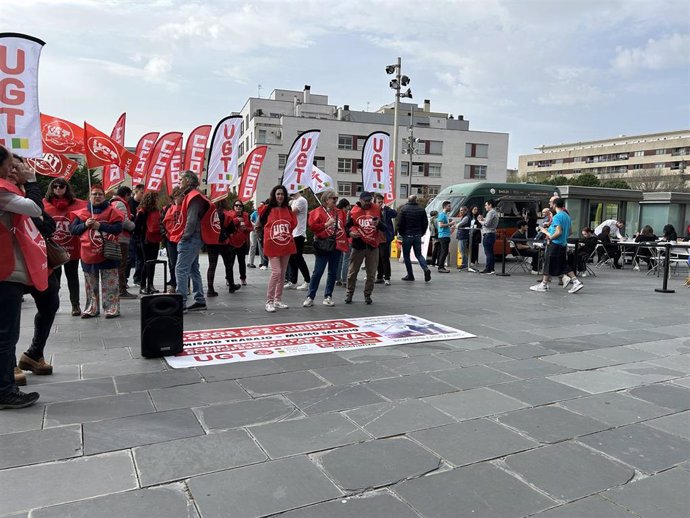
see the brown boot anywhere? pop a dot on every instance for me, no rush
(19, 377)
(76, 310)
(40, 367)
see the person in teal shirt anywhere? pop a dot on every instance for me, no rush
(444, 227)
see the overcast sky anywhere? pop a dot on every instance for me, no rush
(544, 71)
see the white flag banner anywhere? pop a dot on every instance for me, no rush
(222, 162)
(300, 162)
(375, 162)
(20, 118)
(320, 181)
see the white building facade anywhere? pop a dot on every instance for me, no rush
(447, 153)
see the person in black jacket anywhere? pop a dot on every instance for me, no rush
(588, 243)
(412, 225)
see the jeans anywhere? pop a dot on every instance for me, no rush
(47, 304)
(188, 267)
(224, 251)
(72, 274)
(344, 265)
(171, 249)
(332, 260)
(414, 243)
(297, 263)
(488, 241)
(462, 245)
(11, 296)
(444, 243)
(384, 268)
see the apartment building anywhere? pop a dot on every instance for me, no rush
(628, 158)
(447, 153)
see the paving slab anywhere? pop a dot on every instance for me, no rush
(569, 471)
(98, 408)
(473, 377)
(413, 386)
(479, 490)
(262, 489)
(282, 382)
(598, 381)
(670, 347)
(474, 403)
(329, 399)
(539, 391)
(32, 447)
(664, 394)
(615, 408)
(376, 505)
(118, 368)
(62, 358)
(530, 368)
(397, 417)
(185, 458)
(372, 355)
(475, 357)
(549, 424)
(61, 375)
(417, 365)
(74, 390)
(199, 394)
(347, 374)
(319, 432)
(646, 448)
(127, 432)
(472, 441)
(665, 494)
(310, 361)
(523, 351)
(623, 354)
(637, 336)
(239, 370)
(649, 372)
(677, 363)
(160, 502)
(247, 413)
(155, 380)
(85, 476)
(676, 424)
(387, 461)
(580, 361)
(590, 507)
(28, 419)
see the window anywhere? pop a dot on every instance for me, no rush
(344, 189)
(242, 127)
(282, 160)
(417, 169)
(359, 142)
(358, 166)
(261, 137)
(433, 190)
(344, 165)
(320, 162)
(475, 171)
(639, 153)
(404, 168)
(435, 170)
(240, 150)
(403, 190)
(420, 147)
(660, 151)
(344, 141)
(659, 165)
(435, 147)
(477, 150)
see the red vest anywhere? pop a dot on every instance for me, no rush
(171, 220)
(211, 225)
(178, 229)
(278, 240)
(241, 237)
(30, 241)
(152, 229)
(362, 223)
(63, 216)
(91, 240)
(317, 224)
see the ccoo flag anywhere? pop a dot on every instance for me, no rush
(161, 157)
(195, 152)
(112, 174)
(298, 168)
(102, 150)
(375, 162)
(222, 162)
(143, 151)
(174, 169)
(250, 175)
(20, 123)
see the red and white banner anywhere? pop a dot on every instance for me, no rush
(143, 151)
(250, 175)
(112, 174)
(240, 344)
(20, 123)
(161, 157)
(195, 152)
(174, 169)
(57, 166)
(375, 163)
(300, 161)
(102, 150)
(61, 136)
(320, 181)
(389, 197)
(222, 162)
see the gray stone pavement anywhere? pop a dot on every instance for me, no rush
(562, 406)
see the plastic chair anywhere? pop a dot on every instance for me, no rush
(521, 260)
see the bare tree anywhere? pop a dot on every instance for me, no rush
(650, 180)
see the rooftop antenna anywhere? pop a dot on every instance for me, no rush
(258, 88)
(368, 105)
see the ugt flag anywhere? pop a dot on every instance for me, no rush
(20, 123)
(222, 162)
(375, 163)
(112, 174)
(320, 181)
(102, 150)
(61, 136)
(56, 166)
(300, 161)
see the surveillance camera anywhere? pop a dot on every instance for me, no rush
(404, 80)
(390, 69)
(394, 84)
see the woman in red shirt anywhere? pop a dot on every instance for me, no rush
(59, 203)
(239, 240)
(170, 217)
(277, 221)
(148, 229)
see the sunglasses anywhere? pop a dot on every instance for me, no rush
(59, 186)
(97, 194)
(334, 198)
(238, 205)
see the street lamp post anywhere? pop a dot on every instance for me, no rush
(410, 150)
(396, 84)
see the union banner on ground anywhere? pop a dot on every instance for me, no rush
(300, 161)
(241, 344)
(20, 123)
(375, 163)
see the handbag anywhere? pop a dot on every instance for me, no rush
(57, 255)
(111, 249)
(324, 246)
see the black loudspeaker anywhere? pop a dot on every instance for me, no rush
(161, 323)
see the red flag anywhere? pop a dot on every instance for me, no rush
(160, 160)
(61, 136)
(389, 197)
(57, 166)
(102, 150)
(112, 174)
(195, 153)
(174, 169)
(143, 151)
(250, 175)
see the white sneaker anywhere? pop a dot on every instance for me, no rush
(577, 286)
(270, 307)
(289, 286)
(584, 274)
(263, 267)
(636, 268)
(533, 272)
(542, 286)
(328, 301)
(303, 286)
(279, 305)
(308, 302)
(566, 281)
(387, 282)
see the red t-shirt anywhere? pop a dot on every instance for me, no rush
(278, 240)
(317, 224)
